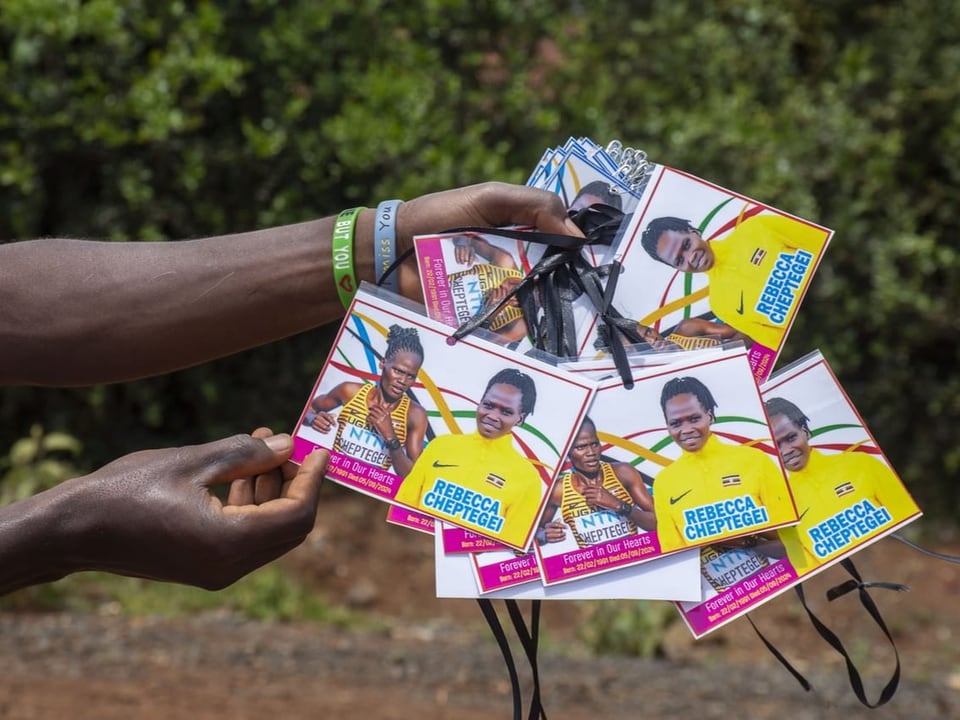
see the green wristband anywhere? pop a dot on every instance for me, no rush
(341, 242)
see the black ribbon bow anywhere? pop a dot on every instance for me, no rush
(547, 292)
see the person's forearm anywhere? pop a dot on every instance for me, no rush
(31, 545)
(129, 310)
(80, 312)
(644, 519)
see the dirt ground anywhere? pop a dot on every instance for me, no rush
(431, 659)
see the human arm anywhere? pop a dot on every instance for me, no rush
(152, 514)
(320, 419)
(514, 330)
(468, 247)
(552, 530)
(642, 511)
(701, 327)
(130, 310)
(401, 456)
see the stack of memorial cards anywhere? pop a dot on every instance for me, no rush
(847, 495)
(462, 273)
(581, 173)
(711, 482)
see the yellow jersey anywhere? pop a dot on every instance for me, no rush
(844, 499)
(721, 491)
(480, 484)
(760, 272)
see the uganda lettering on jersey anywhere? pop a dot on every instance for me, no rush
(784, 280)
(847, 526)
(467, 293)
(725, 516)
(361, 443)
(463, 505)
(600, 526)
(723, 569)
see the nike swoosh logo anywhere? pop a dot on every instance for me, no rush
(678, 498)
(437, 463)
(740, 309)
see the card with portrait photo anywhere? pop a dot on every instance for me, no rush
(847, 494)
(467, 432)
(461, 273)
(702, 264)
(681, 460)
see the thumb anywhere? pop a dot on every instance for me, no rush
(305, 485)
(242, 456)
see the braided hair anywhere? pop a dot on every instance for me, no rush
(523, 383)
(684, 385)
(400, 339)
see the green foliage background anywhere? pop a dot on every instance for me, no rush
(145, 121)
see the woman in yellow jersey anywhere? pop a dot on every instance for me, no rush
(756, 274)
(844, 499)
(714, 491)
(478, 480)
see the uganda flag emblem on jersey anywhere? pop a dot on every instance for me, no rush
(844, 488)
(758, 255)
(496, 480)
(730, 480)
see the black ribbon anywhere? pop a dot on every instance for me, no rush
(547, 292)
(493, 620)
(804, 683)
(529, 639)
(857, 584)
(925, 551)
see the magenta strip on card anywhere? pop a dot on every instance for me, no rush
(761, 360)
(459, 540)
(354, 473)
(508, 573)
(436, 286)
(302, 448)
(410, 519)
(739, 598)
(599, 558)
